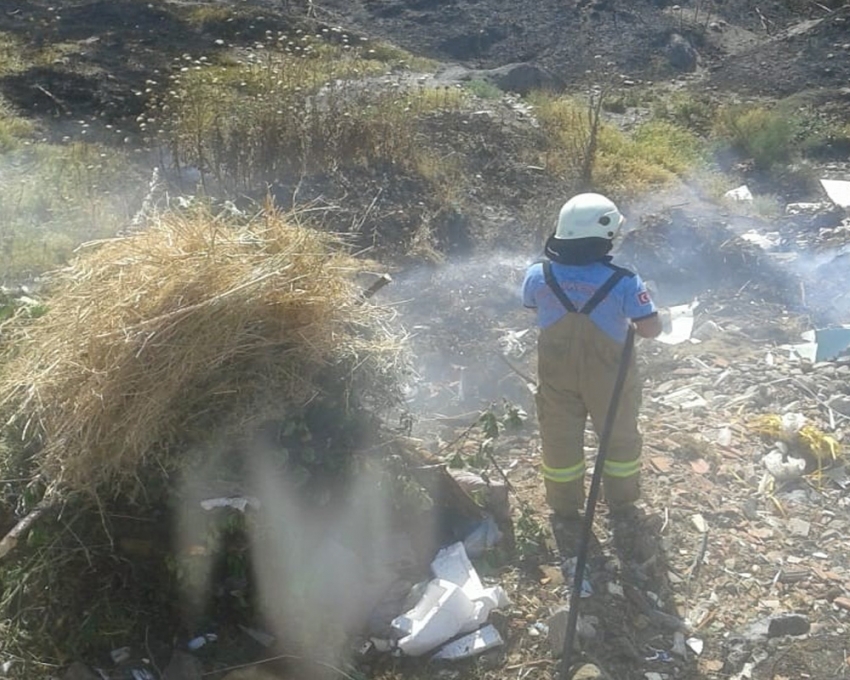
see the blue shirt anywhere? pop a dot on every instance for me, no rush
(628, 301)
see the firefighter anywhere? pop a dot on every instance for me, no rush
(585, 304)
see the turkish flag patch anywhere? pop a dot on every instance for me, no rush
(643, 297)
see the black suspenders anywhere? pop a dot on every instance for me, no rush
(600, 294)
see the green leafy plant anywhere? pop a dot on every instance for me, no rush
(529, 535)
(585, 150)
(483, 88)
(691, 111)
(764, 136)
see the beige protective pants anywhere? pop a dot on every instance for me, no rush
(577, 369)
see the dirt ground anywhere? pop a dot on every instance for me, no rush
(721, 550)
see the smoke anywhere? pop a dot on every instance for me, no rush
(320, 576)
(322, 569)
(464, 312)
(461, 315)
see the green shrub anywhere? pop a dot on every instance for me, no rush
(668, 146)
(653, 155)
(484, 89)
(819, 137)
(615, 105)
(764, 136)
(687, 110)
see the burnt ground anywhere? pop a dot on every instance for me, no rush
(756, 560)
(746, 46)
(117, 49)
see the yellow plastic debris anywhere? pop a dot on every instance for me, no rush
(807, 440)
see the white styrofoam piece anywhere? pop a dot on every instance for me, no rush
(452, 564)
(741, 193)
(442, 612)
(838, 191)
(469, 645)
(763, 241)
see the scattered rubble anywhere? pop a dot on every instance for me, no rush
(745, 463)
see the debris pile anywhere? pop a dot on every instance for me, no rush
(685, 255)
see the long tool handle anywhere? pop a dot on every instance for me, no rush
(590, 508)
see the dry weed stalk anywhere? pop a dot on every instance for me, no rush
(158, 339)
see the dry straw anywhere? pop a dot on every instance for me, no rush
(158, 340)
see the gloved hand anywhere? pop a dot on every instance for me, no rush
(666, 321)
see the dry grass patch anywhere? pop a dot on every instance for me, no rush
(299, 107)
(55, 196)
(16, 56)
(190, 330)
(14, 129)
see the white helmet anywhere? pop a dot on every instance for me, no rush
(588, 215)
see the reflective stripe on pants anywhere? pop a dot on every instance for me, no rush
(563, 475)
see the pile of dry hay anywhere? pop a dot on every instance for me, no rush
(195, 327)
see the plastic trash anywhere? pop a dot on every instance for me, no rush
(198, 642)
(239, 503)
(658, 655)
(511, 342)
(741, 193)
(695, 644)
(792, 423)
(452, 564)
(838, 191)
(783, 467)
(443, 612)
(700, 523)
(568, 568)
(454, 602)
(541, 627)
(469, 645)
(685, 399)
(832, 342)
(120, 655)
(616, 589)
(822, 344)
(142, 674)
(764, 241)
(746, 672)
(807, 208)
(485, 536)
